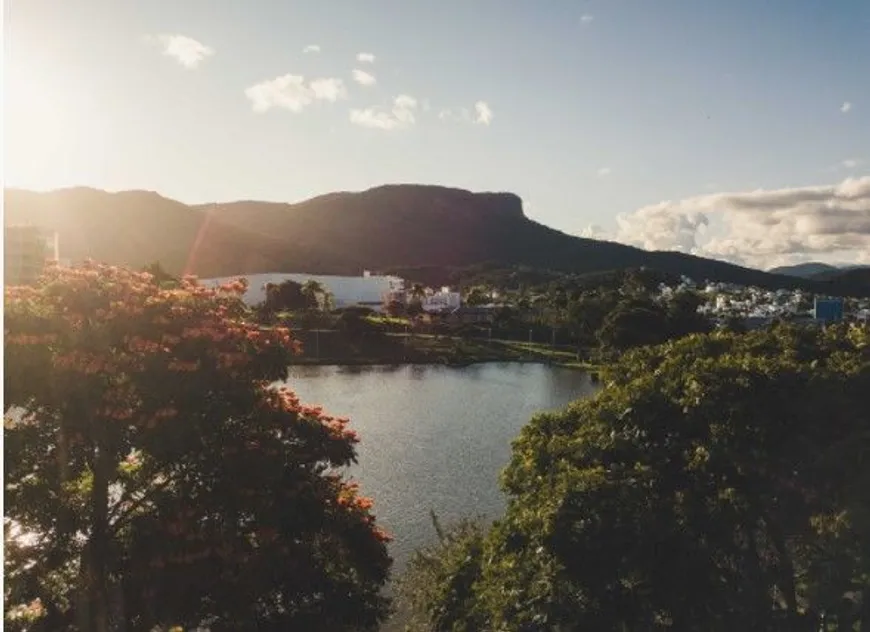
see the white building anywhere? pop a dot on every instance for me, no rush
(441, 300)
(26, 249)
(368, 290)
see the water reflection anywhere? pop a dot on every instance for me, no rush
(435, 437)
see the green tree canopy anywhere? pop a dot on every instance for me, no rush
(477, 295)
(633, 323)
(159, 477)
(715, 483)
(316, 295)
(290, 295)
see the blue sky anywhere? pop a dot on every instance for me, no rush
(599, 109)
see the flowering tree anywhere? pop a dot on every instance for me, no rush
(157, 476)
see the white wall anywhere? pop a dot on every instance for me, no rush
(444, 299)
(346, 291)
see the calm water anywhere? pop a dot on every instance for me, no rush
(435, 437)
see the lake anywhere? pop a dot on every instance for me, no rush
(435, 437)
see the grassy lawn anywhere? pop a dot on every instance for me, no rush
(395, 348)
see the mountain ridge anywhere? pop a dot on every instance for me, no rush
(389, 226)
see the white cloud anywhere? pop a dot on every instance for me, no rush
(483, 113)
(759, 227)
(291, 92)
(330, 89)
(363, 78)
(846, 107)
(366, 58)
(604, 172)
(311, 48)
(850, 163)
(185, 50)
(593, 231)
(586, 18)
(401, 115)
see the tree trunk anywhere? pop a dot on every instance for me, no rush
(864, 614)
(845, 615)
(98, 545)
(785, 570)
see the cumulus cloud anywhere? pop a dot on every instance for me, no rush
(311, 48)
(760, 226)
(363, 78)
(366, 58)
(586, 18)
(604, 172)
(291, 92)
(483, 113)
(593, 231)
(400, 116)
(847, 106)
(330, 89)
(187, 51)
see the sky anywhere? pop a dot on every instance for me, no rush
(738, 130)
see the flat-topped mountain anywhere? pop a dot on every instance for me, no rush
(387, 227)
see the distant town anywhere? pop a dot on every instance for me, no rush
(28, 247)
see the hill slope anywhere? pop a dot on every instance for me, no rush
(804, 270)
(135, 228)
(854, 276)
(341, 233)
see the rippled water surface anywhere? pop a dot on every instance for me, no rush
(435, 437)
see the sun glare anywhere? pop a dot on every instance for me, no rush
(46, 123)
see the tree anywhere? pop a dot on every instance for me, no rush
(716, 483)
(159, 476)
(734, 324)
(436, 592)
(415, 305)
(683, 315)
(478, 295)
(288, 295)
(316, 295)
(354, 321)
(159, 274)
(418, 292)
(414, 309)
(394, 308)
(633, 324)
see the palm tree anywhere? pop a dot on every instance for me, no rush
(418, 293)
(316, 294)
(477, 295)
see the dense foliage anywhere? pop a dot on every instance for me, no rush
(716, 483)
(290, 295)
(155, 475)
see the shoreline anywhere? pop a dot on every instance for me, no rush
(378, 349)
(309, 361)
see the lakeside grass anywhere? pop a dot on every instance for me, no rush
(396, 348)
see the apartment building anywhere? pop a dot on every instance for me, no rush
(26, 249)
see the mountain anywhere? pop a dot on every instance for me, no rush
(135, 228)
(804, 270)
(856, 276)
(387, 227)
